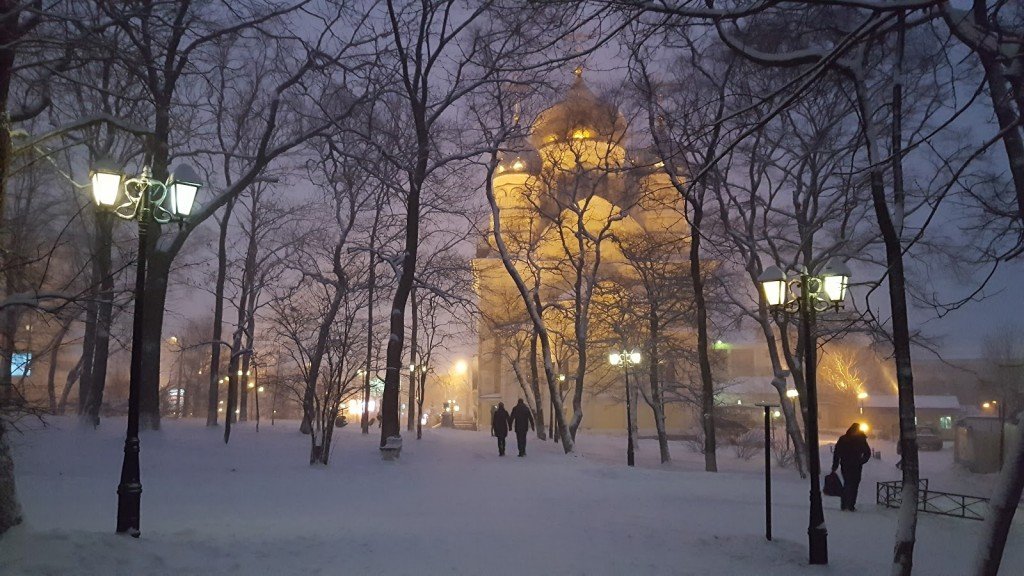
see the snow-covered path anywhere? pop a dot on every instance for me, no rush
(449, 506)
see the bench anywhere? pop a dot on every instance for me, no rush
(392, 448)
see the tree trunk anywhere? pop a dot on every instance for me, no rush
(779, 383)
(657, 401)
(10, 510)
(364, 419)
(535, 387)
(391, 426)
(707, 395)
(247, 305)
(8, 333)
(531, 303)
(51, 376)
(410, 423)
(422, 378)
(157, 274)
(1001, 509)
(218, 316)
(906, 527)
(315, 360)
(88, 350)
(69, 382)
(104, 317)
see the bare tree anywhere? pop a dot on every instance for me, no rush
(164, 56)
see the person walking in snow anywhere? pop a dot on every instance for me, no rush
(500, 424)
(851, 454)
(521, 418)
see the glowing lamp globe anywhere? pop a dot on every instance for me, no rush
(182, 190)
(835, 279)
(106, 183)
(773, 284)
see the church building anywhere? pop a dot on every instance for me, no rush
(591, 225)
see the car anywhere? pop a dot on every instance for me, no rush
(927, 440)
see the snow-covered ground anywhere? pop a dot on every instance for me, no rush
(449, 506)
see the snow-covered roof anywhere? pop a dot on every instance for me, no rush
(748, 385)
(925, 402)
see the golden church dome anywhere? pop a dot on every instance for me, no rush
(520, 159)
(581, 115)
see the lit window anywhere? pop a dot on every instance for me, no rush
(581, 133)
(946, 422)
(518, 165)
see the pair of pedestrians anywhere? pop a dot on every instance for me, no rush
(520, 419)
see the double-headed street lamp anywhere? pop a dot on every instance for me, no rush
(625, 360)
(146, 201)
(807, 294)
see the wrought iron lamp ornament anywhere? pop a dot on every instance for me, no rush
(822, 292)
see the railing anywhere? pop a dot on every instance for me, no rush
(890, 495)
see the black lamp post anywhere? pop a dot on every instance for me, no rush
(817, 293)
(141, 199)
(627, 359)
(767, 468)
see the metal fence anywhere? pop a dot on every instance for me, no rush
(890, 495)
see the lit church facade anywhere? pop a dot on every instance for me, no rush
(576, 206)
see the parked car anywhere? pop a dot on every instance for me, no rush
(927, 440)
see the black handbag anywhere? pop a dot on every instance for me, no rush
(833, 485)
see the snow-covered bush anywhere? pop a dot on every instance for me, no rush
(748, 444)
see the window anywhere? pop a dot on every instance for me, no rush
(945, 422)
(21, 364)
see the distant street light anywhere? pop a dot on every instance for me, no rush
(807, 294)
(625, 360)
(861, 396)
(1002, 424)
(147, 202)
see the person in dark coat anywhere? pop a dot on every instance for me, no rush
(500, 423)
(520, 419)
(851, 454)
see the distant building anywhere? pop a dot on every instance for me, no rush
(881, 414)
(574, 171)
(976, 443)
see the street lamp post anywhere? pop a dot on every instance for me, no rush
(817, 293)
(627, 359)
(144, 202)
(767, 468)
(861, 397)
